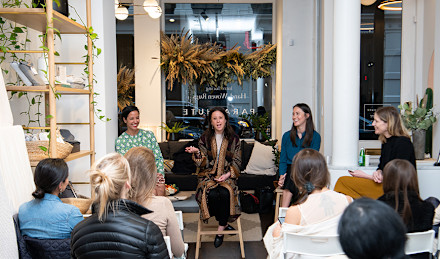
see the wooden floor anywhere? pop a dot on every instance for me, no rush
(231, 250)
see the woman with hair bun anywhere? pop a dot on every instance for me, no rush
(317, 210)
(116, 228)
(46, 216)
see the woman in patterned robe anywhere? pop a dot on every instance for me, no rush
(219, 158)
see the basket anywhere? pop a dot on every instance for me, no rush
(36, 154)
(82, 204)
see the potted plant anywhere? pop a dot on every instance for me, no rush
(174, 130)
(418, 120)
(260, 123)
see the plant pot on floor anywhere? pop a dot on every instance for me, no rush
(63, 8)
(419, 140)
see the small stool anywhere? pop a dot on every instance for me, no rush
(201, 231)
(279, 193)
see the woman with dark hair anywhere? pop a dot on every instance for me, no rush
(317, 210)
(219, 157)
(302, 135)
(401, 189)
(369, 229)
(135, 137)
(47, 217)
(396, 143)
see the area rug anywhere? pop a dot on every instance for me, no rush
(250, 224)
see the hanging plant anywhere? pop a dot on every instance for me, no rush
(186, 61)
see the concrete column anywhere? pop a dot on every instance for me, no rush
(346, 49)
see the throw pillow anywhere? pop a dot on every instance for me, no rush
(261, 161)
(168, 165)
(246, 151)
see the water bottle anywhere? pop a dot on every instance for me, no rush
(362, 157)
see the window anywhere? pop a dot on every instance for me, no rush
(381, 33)
(243, 25)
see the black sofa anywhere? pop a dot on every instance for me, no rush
(187, 180)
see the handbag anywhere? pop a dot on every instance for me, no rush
(249, 203)
(266, 196)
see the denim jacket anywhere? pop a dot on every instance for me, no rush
(48, 218)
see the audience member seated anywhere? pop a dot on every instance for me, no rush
(318, 209)
(396, 143)
(116, 228)
(143, 169)
(46, 222)
(370, 229)
(401, 189)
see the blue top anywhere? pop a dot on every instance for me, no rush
(48, 218)
(288, 151)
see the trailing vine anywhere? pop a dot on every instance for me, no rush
(9, 40)
(95, 53)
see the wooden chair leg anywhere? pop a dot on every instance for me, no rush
(240, 236)
(199, 237)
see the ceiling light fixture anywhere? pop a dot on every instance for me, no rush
(391, 5)
(121, 12)
(151, 8)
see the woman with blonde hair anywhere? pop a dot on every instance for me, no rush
(396, 143)
(318, 209)
(123, 233)
(143, 169)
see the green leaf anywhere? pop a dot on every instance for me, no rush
(33, 100)
(98, 51)
(43, 148)
(56, 53)
(49, 116)
(20, 94)
(18, 30)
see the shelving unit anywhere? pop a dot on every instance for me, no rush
(41, 20)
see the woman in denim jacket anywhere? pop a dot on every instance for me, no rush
(46, 216)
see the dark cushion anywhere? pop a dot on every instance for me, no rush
(254, 182)
(183, 162)
(176, 146)
(165, 149)
(22, 249)
(184, 182)
(246, 152)
(48, 248)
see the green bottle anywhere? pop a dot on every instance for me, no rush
(362, 157)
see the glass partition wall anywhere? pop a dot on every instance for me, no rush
(381, 33)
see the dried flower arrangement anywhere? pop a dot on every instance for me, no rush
(125, 87)
(186, 61)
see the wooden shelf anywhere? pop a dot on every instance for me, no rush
(70, 157)
(35, 18)
(45, 88)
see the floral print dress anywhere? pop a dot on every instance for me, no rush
(144, 138)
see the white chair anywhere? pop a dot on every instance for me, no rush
(168, 243)
(179, 216)
(419, 242)
(311, 245)
(282, 212)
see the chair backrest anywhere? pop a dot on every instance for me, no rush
(419, 242)
(179, 219)
(168, 243)
(282, 211)
(311, 245)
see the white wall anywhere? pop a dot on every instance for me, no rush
(298, 60)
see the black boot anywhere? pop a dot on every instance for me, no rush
(229, 227)
(218, 241)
